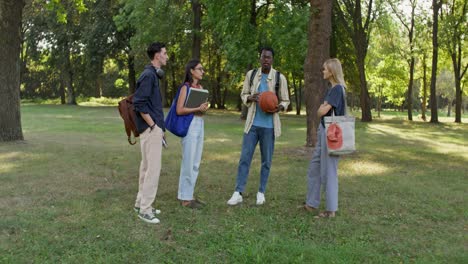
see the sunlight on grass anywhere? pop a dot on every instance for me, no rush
(365, 168)
(6, 167)
(217, 140)
(6, 161)
(219, 157)
(438, 141)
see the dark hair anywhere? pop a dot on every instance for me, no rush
(154, 48)
(190, 66)
(268, 49)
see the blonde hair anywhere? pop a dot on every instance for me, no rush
(334, 66)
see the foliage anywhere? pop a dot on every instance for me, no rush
(103, 37)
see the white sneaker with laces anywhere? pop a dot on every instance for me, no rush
(260, 198)
(149, 218)
(235, 199)
(155, 211)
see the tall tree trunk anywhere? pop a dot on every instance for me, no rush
(11, 12)
(100, 70)
(359, 31)
(424, 99)
(131, 73)
(366, 115)
(410, 28)
(318, 50)
(409, 96)
(458, 93)
(196, 43)
(297, 94)
(67, 75)
(62, 92)
(253, 23)
(435, 52)
(412, 60)
(458, 72)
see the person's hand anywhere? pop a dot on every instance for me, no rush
(279, 108)
(254, 97)
(203, 107)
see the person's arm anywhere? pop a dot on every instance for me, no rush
(323, 109)
(141, 98)
(182, 110)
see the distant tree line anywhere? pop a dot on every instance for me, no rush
(397, 54)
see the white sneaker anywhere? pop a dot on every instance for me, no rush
(235, 199)
(149, 218)
(155, 211)
(260, 198)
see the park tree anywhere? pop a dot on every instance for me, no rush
(357, 18)
(10, 42)
(446, 89)
(436, 5)
(164, 21)
(318, 51)
(453, 37)
(409, 26)
(196, 29)
(387, 68)
(290, 22)
(241, 27)
(64, 35)
(98, 38)
(125, 32)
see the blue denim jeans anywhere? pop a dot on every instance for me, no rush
(192, 149)
(266, 138)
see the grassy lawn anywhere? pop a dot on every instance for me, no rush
(67, 193)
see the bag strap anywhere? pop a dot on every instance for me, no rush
(252, 76)
(345, 104)
(277, 84)
(176, 98)
(278, 75)
(344, 99)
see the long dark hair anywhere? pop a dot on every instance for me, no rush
(190, 66)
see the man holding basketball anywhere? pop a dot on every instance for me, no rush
(260, 126)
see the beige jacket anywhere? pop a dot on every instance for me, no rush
(247, 90)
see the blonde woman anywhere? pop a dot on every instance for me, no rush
(323, 168)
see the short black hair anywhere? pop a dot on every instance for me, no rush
(268, 49)
(154, 48)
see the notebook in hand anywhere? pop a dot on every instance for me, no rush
(196, 97)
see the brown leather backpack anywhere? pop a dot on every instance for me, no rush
(127, 112)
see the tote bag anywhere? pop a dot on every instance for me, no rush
(178, 124)
(340, 133)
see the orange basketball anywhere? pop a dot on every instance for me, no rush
(268, 101)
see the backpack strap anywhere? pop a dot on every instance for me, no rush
(252, 76)
(277, 84)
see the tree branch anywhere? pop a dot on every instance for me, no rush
(399, 16)
(342, 18)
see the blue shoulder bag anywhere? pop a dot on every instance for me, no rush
(178, 124)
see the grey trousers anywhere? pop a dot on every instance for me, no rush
(323, 171)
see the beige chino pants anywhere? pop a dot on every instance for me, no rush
(150, 168)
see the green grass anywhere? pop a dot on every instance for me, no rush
(67, 193)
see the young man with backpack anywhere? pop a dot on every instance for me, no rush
(150, 124)
(260, 127)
